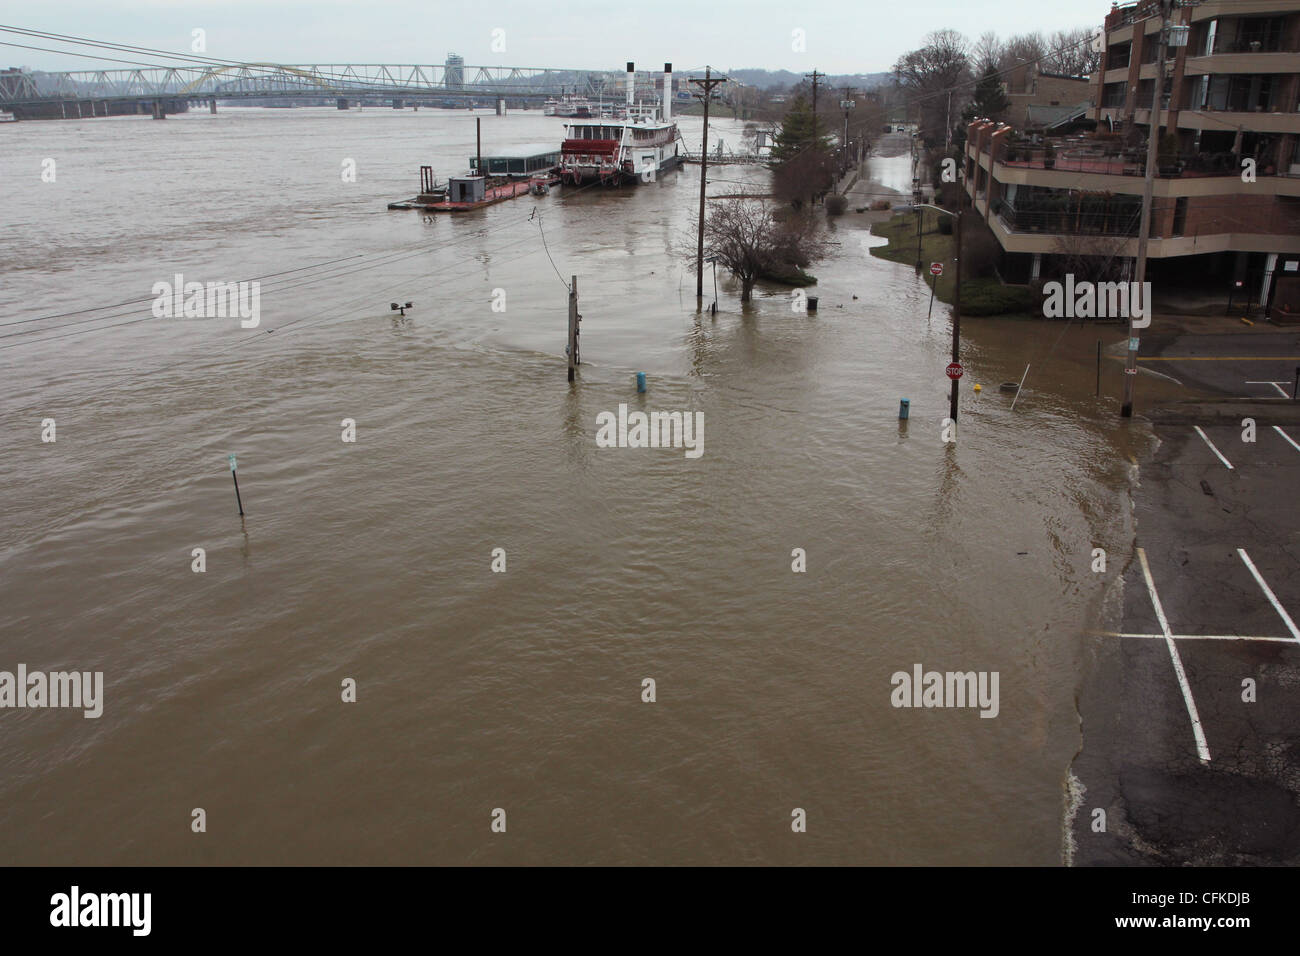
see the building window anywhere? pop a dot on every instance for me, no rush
(1180, 216)
(1239, 93)
(1256, 35)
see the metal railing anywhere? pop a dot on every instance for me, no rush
(1131, 162)
(1272, 42)
(1065, 215)
(1097, 216)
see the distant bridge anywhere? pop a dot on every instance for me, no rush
(341, 80)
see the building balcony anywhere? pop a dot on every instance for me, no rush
(1100, 161)
(1081, 215)
(1244, 61)
(1252, 121)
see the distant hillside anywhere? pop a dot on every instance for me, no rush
(766, 79)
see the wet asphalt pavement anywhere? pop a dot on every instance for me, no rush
(1191, 725)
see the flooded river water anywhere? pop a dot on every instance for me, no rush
(372, 560)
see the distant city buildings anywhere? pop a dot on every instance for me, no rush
(454, 72)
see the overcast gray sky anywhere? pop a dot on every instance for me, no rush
(841, 36)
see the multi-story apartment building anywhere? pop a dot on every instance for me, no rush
(1227, 198)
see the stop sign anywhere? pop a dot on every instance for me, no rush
(954, 370)
(936, 268)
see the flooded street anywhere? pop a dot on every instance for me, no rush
(372, 560)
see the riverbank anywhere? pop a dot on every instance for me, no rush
(981, 296)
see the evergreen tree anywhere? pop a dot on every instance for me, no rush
(990, 99)
(800, 130)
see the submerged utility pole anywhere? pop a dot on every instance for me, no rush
(956, 309)
(706, 93)
(574, 360)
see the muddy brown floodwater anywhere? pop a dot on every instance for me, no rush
(372, 560)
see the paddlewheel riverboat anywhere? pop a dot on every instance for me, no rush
(634, 149)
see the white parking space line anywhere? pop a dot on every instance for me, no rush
(1206, 637)
(1202, 748)
(1276, 385)
(1207, 441)
(1287, 437)
(1268, 592)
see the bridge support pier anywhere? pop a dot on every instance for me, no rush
(343, 102)
(501, 106)
(212, 107)
(397, 104)
(158, 111)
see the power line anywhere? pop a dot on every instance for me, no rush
(548, 253)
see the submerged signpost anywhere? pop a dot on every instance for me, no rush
(238, 500)
(936, 270)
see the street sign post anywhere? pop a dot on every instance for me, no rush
(936, 270)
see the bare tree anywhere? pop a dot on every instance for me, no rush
(987, 53)
(744, 237)
(1091, 258)
(927, 74)
(867, 121)
(1071, 52)
(1019, 54)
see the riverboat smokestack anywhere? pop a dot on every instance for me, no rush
(631, 83)
(668, 92)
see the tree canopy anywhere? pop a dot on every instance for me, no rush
(801, 129)
(990, 100)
